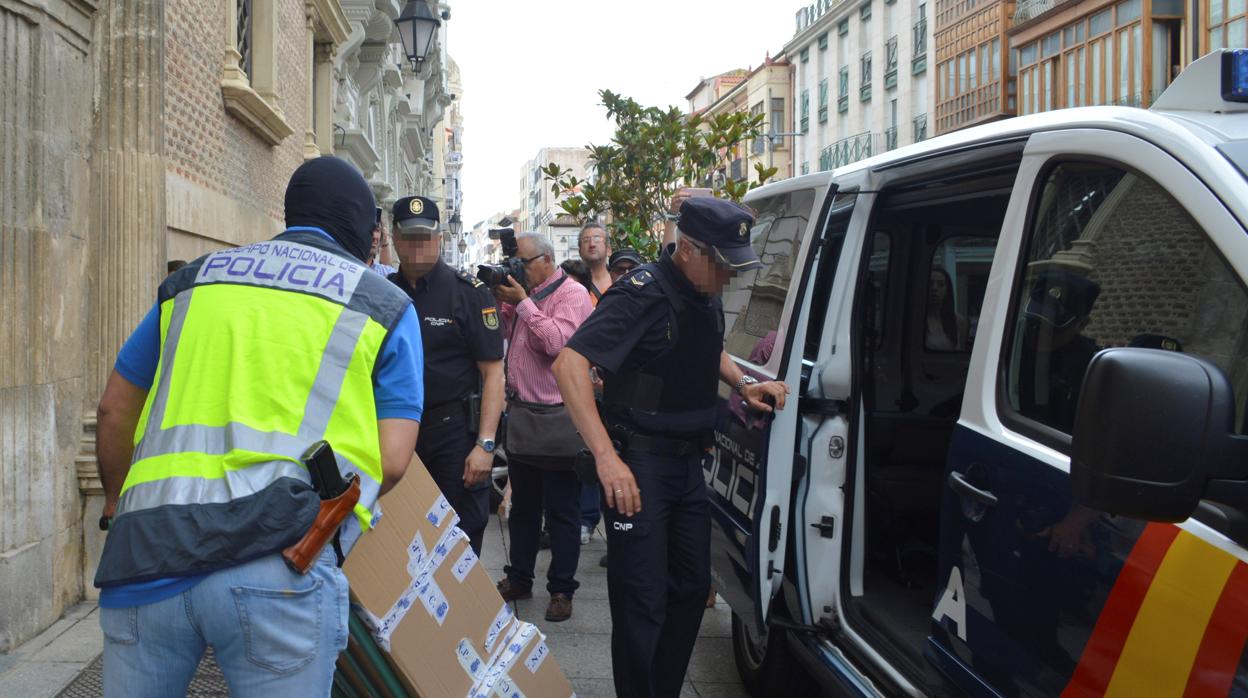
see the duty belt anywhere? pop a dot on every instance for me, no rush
(445, 411)
(667, 446)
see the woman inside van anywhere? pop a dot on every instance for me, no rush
(945, 329)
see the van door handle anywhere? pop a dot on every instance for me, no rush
(964, 488)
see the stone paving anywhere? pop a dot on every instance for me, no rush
(63, 660)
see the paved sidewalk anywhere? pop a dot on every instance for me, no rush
(582, 644)
(43, 666)
(46, 666)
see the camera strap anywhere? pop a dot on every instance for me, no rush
(545, 293)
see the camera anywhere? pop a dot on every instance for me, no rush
(495, 274)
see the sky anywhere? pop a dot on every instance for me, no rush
(532, 71)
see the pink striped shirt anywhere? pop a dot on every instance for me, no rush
(541, 332)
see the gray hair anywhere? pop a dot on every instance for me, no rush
(541, 242)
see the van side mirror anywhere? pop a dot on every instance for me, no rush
(1154, 435)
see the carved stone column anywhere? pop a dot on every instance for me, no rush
(128, 231)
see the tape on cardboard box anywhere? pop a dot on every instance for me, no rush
(536, 657)
(506, 688)
(441, 507)
(464, 564)
(472, 663)
(517, 639)
(501, 621)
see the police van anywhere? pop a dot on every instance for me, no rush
(938, 511)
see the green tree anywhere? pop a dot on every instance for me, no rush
(654, 153)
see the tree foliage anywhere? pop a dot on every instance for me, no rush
(654, 153)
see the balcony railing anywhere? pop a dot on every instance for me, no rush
(970, 107)
(918, 64)
(920, 128)
(849, 150)
(890, 65)
(890, 138)
(1030, 9)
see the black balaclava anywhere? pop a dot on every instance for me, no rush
(330, 194)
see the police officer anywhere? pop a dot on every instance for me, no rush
(239, 367)
(657, 339)
(463, 364)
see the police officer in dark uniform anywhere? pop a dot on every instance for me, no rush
(463, 345)
(657, 339)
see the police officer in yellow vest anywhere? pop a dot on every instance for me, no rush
(251, 355)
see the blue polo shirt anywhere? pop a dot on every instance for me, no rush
(399, 366)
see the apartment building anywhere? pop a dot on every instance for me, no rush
(765, 90)
(539, 207)
(860, 79)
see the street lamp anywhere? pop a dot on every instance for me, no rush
(417, 25)
(463, 247)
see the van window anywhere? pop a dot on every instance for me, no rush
(1114, 261)
(754, 301)
(956, 281)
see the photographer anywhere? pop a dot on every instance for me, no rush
(541, 440)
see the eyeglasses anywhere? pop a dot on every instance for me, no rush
(527, 260)
(593, 238)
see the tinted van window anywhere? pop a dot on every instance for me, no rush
(1114, 261)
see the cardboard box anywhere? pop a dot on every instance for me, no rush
(433, 608)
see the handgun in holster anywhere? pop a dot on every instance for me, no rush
(339, 496)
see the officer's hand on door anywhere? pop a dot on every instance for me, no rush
(619, 485)
(477, 466)
(756, 395)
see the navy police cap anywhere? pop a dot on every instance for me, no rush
(723, 225)
(415, 212)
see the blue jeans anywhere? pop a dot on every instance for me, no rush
(275, 633)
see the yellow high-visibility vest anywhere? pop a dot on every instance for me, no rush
(265, 349)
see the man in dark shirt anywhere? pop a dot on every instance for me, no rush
(463, 364)
(658, 337)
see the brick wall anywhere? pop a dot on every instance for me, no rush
(205, 144)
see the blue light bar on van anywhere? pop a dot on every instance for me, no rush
(1235, 75)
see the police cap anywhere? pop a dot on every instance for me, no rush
(1059, 297)
(723, 225)
(415, 212)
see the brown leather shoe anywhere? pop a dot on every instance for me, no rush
(560, 608)
(511, 592)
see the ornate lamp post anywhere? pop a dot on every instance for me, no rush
(417, 26)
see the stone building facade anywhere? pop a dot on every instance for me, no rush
(539, 207)
(860, 80)
(132, 132)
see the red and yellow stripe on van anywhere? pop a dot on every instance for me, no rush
(1174, 624)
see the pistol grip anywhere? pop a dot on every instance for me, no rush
(302, 555)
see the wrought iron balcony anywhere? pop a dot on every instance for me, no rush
(920, 128)
(850, 150)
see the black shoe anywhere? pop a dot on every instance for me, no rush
(543, 541)
(603, 561)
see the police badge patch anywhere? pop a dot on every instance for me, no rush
(489, 316)
(416, 207)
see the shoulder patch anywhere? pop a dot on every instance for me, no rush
(489, 317)
(468, 278)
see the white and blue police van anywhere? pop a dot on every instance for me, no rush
(1014, 460)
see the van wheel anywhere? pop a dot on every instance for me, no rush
(763, 662)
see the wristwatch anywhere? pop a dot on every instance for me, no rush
(486, 445)
(743, 381)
